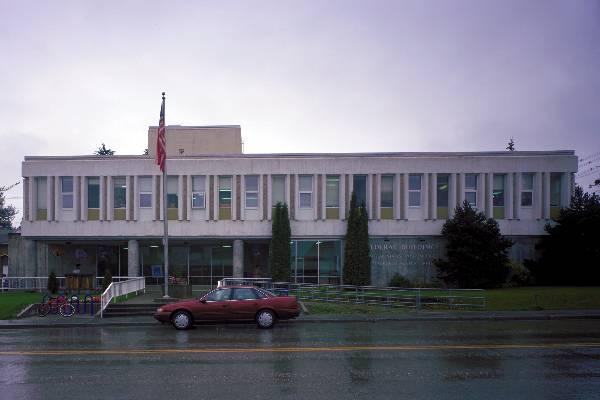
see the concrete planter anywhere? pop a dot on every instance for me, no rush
(179, 291)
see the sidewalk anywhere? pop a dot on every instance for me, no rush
(56, 321)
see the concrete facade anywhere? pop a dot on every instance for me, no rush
(224, 201)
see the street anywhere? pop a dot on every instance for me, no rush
(383, 360)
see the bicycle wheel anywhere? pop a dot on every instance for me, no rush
(66, 310)
(43, 309)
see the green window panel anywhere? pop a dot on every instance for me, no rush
(42, 214)
(332, 213)
(224, 213)
(387, 213)
(172, 214)
(442, 212)
(93, 214)
(119, 214)
(498, 212)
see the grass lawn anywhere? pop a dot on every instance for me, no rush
(11, 303)
(315, 308)
(543, 298)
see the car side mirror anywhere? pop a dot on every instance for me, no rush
(203, 301)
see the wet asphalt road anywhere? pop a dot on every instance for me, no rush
(383, 360)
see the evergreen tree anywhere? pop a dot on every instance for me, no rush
(279, 250)
(476, 251)
(357, 258)
(103, 151)
(7, 213)
(511, 145)
(570, 253)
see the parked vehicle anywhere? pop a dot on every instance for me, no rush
(231, 303)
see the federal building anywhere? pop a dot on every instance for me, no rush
(99, 212)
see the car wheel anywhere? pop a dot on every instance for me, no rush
(182, 320)
(265, 319)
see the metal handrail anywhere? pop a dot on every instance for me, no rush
(116, 289)
(41, 282)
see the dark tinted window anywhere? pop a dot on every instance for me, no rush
(219, 295)
(244, 294)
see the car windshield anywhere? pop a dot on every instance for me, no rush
(218, 295)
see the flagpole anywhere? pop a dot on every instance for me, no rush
(165, 216)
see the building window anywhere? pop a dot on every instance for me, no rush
(527, 189)
(172, 191)
(199, 191)
(251, 189)
(305, 191)
(471, 189)
(359, 187)
(145, 187)
(93, 192)
(442, 187)
(414, 190)
(119, 192)
(277, 189)
(66, 188)
(498, 191)
(225, 197)
(41, 189)
(555, 192)
(387, 197)
(332, 197)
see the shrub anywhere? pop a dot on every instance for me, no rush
(518, 275)
(106, 279)
(399, 281)
(52, 283)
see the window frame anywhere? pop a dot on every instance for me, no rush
(524, 190)
(64, 194)
(115, 182)
(420, 176)
(256, 192)
(334, 179)
(305, 192)
(96, 182)
(471, 190)
(389, 177)
(144, 192)
(197, 192)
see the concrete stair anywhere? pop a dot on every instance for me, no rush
(131, 310)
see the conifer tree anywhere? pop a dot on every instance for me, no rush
(279, 250)
(357, 258)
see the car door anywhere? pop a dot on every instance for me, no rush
(215, 306)
(244, 304)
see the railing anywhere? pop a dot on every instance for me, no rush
(121, 288)
(390, 297)
(41, 282)
(265, 283)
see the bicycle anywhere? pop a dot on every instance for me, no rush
(57, 305)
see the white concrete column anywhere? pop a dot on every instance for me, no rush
(482, 192)
(370, 196)
(32, 197)
(397, 198)
(537, 196)
(133, 258)
(136, 197)
(546, 196)
(238, 258)
(83, 198)
(161, 191)
(342, 196)
(565, 189)
(234, 197)
(508, 196)
(128, 189)
(57, 199)
(452, 200)
(461, 188)
(180, 198)
(188, 203)
(405, 196)
(216, 198)
(269, 209)
(517, 197)
(377, 197)
(296, 196)
(433, 208)
(243, 196)
(110, 206)
(102, 203)
(207, 197)
(49, 197)
(425, 196)
(315, 196)
(261, 193)
(323, 197)
(155, 204)
(489, 195)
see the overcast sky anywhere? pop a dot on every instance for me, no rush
(300, 76)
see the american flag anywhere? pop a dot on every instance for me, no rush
(161, 141)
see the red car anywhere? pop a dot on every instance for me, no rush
(230, 303)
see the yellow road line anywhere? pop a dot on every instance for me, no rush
(66, 352)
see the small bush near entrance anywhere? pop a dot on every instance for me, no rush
(52, 283)
(399, 281)
(106, 279)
